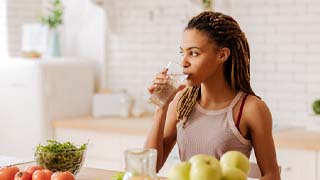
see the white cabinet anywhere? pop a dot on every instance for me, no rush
(318, 166)
(105, 149)
(297, 164)
(33, 92)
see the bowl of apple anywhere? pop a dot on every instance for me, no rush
(232, 165)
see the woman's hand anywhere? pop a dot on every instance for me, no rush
(160, 80)
(158, 84)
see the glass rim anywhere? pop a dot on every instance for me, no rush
(140, 151)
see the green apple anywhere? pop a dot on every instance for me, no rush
(235, 159)
(180, 171)
(233, 174)
(205, 167)
(205, 158)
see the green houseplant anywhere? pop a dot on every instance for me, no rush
(207, 4)
(53, 19)
(316, 107)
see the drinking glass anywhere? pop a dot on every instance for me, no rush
(140, 164)
(176, 78)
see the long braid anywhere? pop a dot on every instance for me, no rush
(186, 102)
(225, 31)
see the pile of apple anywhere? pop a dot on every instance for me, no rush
(233, 165)
(33, 173)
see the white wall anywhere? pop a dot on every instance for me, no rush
(18, 13)
(83, 33)
(144, 36)
(285, 43)
(3, 30)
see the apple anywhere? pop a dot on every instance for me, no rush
(204, 167)
(204, 158)
(233, 174)
(235, 159)
(199, 167)
(180, 171)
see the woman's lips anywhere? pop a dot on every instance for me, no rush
(187, 75)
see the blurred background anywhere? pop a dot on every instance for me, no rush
(109, 51)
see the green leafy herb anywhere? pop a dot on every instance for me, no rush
(117, 176)
(54, 17)
(58, 156)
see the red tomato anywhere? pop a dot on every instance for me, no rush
(62, 176)
(32, 169)
(44, 174)
(23, 175)
(7, 173)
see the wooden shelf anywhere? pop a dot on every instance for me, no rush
(134, 126)
(297, 138)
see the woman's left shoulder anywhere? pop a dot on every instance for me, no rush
(254, 103)
(256, 109)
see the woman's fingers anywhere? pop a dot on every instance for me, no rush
(160, 79)
(162, 76)
(151, 89)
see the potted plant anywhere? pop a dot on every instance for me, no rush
(316, 107)
(53, 19)
(207, 5)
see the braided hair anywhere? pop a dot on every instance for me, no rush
(225, 32)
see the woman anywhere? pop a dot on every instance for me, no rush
(218, 110)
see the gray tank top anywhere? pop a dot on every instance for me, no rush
(211, 132)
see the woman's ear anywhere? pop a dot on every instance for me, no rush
(224, 53)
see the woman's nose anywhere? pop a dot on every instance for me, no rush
(185, 63)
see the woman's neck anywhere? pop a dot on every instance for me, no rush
(216, 93)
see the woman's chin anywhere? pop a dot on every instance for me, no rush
(190, 83)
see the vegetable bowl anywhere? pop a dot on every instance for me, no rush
(57, 156)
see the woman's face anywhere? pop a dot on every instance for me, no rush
(200, 57)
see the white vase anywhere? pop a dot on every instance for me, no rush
(54, 43)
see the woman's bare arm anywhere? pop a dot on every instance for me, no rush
(162, 135)
(259, 120)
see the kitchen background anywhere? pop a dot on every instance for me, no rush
(130, 40)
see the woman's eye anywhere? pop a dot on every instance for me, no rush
(181, 52)
(194, 54)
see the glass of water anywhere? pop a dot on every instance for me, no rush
(176, 78)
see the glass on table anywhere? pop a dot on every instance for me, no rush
(140, 164)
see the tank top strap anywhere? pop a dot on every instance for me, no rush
(235, 100)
